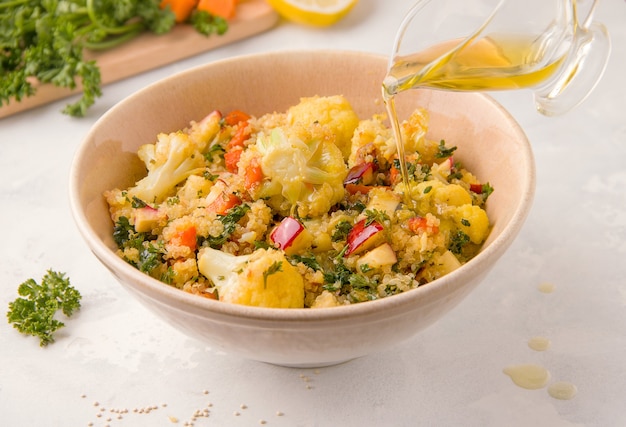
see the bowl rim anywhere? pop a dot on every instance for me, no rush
(167, 295)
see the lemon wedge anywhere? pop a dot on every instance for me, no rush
(318, 13)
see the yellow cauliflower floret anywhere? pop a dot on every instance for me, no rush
(451, 195)
(263, 279)
(372, 135)
(414, 131)
(472, 220)
(335, 112)
(325, 299)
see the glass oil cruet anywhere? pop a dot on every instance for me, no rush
(552, 47)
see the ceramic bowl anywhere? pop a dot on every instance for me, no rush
(490, 144)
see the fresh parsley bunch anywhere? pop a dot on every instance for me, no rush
(44, 40)
(34, 313)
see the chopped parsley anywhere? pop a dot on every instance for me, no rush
(273, 269)
(444, 151)
(458, 241)
(342, 229)
(230, 221)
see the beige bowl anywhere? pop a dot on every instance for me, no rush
(490, 143)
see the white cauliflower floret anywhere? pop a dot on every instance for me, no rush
(263, 279)
(169, 161)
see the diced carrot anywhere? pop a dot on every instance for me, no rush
(476, 188)
(419, 224)
(253, 175)
(208, 294)
(185, 237)
(394, 175)
(236, 117)
(240, 136)
(223, 203)
(231, 158)
(358, 188)
(223, 8)
(181, 8)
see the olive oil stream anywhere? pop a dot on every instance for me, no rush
(495, 62)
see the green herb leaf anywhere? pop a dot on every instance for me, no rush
(33, 313)
(273, 269)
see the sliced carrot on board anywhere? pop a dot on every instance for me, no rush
(223, 8)
(181, 8)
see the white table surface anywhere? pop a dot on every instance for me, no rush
(115, 355)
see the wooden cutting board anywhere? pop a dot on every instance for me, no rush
(150, 51)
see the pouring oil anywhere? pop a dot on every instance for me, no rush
(495, 62)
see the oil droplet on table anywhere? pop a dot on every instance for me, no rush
(546, 287)
(562, 390)
(539, 343)
(528, 376)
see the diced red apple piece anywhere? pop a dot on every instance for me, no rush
(291, 236)
(378, 257)
(363, 173)
(446, 167)
(364, 236)
(385, 201)
(447, 263)
(146, 218)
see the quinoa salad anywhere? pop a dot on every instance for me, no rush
(299, 209)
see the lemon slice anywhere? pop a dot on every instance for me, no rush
(319, 13)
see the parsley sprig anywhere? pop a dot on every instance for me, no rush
(33, 312)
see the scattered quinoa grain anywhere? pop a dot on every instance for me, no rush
(279, 414)
(173, 419)
(243, 406)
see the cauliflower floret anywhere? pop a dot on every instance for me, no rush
(169, 161)
(472, 220)
(325, 299)
(306, 173)
(263, 279)
(334, 112)
(372, 137)
(204, 131)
